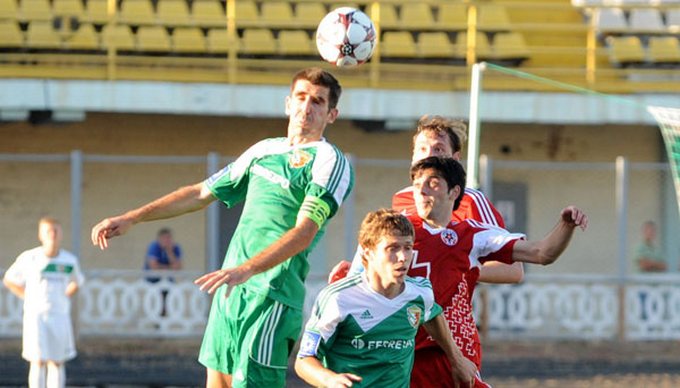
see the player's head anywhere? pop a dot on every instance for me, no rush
(438, 136)
(312, 103)
(49, 232)
(386, 239)
(438, 184)
(164, 238)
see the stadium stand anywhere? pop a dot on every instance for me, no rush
(11, 35)
(258, 41)
(85, 38)
(398, 44)
(664, 50)
(173, 12)
(210, 13)
(510, 47)
(416, 16)
(493, 17)
(8, 9)
(119, 37)
(483, 47)
(626, 50)
(32, 10)
(153, 39)
(188, 40)
(137, 12)
(435, 45)
(646, 20)
(308, 15)
(452, 16)
(276, 14)
(218, 41)
(389, 19)
(96, 11)
(68, 8)
(295, 42)
(610, 20)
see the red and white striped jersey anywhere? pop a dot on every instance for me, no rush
(451, 258)
(474, 205)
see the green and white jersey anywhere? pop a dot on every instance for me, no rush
(354, 329)
(280, 183)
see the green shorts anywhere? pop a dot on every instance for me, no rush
(250, 337)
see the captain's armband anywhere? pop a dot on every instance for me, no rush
(316, 210)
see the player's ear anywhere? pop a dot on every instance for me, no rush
(332, 115)
(455, 192)
(456, 155)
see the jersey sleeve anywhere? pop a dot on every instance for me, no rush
(403, 201)
(432, 309)
(77, 274)
(230, 184)
(321, 326)
(475, 205)
(16, 273)
(332, 181)
(492, 243)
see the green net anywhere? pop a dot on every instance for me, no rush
(669, 122)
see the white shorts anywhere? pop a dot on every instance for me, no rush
(48, 337)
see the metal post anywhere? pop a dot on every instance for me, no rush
(474, 129)
(76, 200)
(212, 227)
(486, 176)
(622, 221)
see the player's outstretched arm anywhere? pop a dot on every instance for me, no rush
(314, 373)
(183, 200)
(495, 272)
(547, 250)
(289, 245)
(462, 369)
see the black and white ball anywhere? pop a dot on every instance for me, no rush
(346, 37)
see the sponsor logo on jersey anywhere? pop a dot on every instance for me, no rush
(270, 176)
(366, 315)
(414, 313)
(299, 158)
(309, 344)
(358, 343)
(449, 237)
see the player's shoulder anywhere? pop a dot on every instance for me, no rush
(29, 254)
(325, 149)
(406, 190)
(475, 195)
(419, 282)
(340, 287)
(67, 256)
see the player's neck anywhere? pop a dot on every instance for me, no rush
(438, 220)
(51, 251)
(388, 290)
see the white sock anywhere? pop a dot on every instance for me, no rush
(56, 375)
(36, 375)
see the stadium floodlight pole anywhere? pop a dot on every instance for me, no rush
(473, 126)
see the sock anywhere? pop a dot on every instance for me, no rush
(36, 375)
(56, 375)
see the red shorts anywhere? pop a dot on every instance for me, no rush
(431, 369)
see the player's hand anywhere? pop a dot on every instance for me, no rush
(109, 228)
(465, 372)
(339, 271)
(210, 282)
(342, 380)
(574, 217)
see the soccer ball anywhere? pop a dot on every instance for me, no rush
(345, 37)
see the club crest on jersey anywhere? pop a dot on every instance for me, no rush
(414, 314)
(299, 158)
(449, 237)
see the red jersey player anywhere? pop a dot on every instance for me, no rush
(451, 254)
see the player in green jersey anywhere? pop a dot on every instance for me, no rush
(291, 186)
(362, 329)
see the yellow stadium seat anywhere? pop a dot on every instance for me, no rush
(295, 43)
(118, 36)
(510, 45)
(137, 12)
(246, 13)
(625, 50)
(435, 45)
(483, 47)
(85, 38)
(173, 12)
(68, 8)
(452, 16)
(492, 17)
(388, 16)
(153, 38)
(398, 44)
(35, 10)
(350, 5)
(309, 14)
(276, 12)
(10, 34)
(258, 41)
(209, 13)
(96, 11)
(218, 40)
(42, 35)
(664, 49)
(188, 40)
(9, 9)
(416, 15)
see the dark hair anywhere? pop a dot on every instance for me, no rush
(383, 222)
(318, 76)
(455, 130)
(164, 231)
(447, 168)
